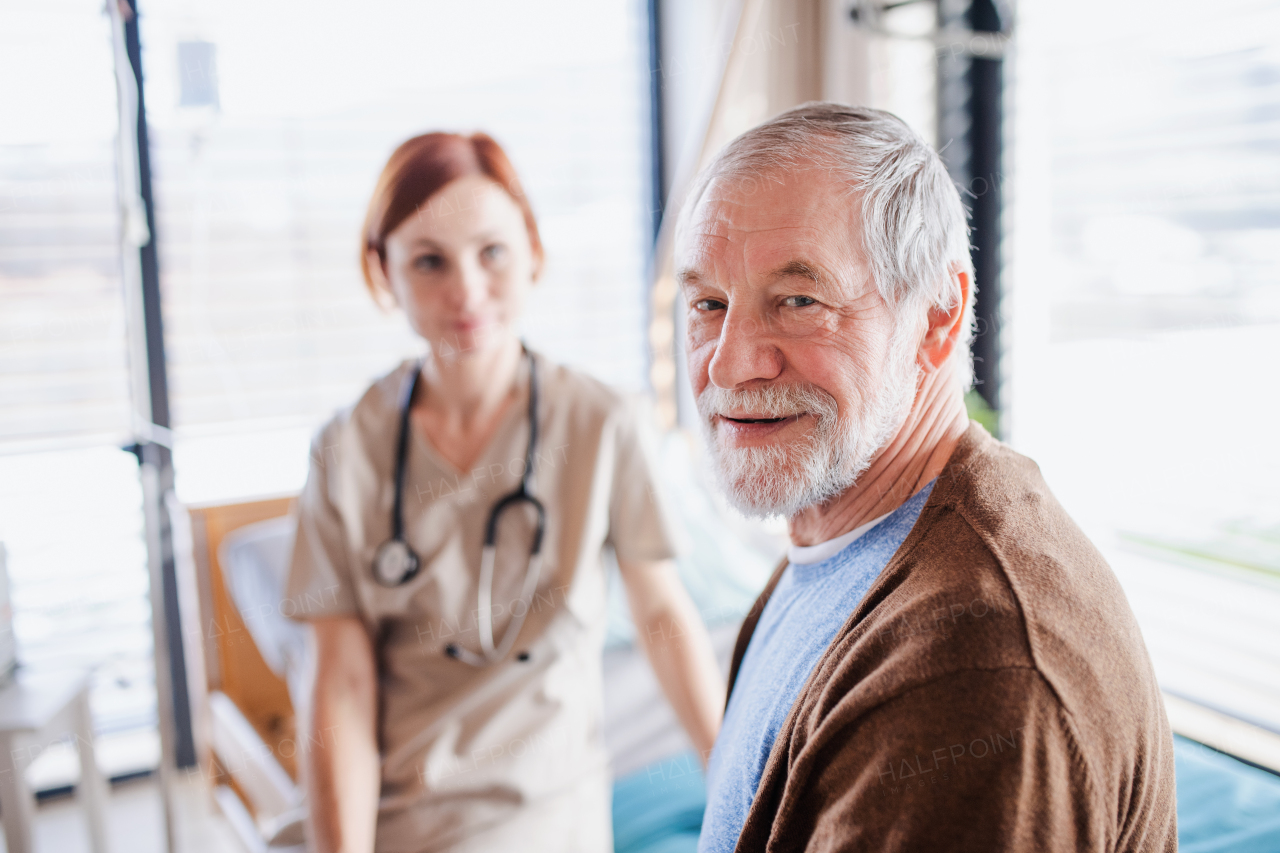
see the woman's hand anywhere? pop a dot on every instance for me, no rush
(341, 770)
(679, 650)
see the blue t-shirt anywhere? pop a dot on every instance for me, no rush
(810, 603)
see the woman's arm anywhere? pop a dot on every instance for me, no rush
(341, 767)
(679, 650)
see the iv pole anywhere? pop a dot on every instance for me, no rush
(150, 397)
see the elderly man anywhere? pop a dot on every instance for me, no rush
(944, 662)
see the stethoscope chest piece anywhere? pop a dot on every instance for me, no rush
(395, 563)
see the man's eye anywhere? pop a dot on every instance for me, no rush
(709, 305)
(428, 263)
(799, 301)
(494, 252)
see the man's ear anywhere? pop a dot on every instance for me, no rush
(946, 325)
(382, 292)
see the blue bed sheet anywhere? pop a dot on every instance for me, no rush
(1224, 805)
(659, 809)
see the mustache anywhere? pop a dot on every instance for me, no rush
(773, 401)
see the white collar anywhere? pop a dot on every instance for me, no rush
(807, 555)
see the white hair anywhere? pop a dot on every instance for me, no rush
(913, 225)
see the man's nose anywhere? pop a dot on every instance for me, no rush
(744, 352)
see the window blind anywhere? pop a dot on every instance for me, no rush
(1146, 226)
(63, 369)
(70, 502)
(260, 199)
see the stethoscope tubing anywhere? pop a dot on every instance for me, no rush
(489, 651)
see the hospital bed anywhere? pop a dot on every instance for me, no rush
(1224, 805)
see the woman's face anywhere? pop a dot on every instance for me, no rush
(461, 267)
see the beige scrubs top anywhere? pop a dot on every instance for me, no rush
(508, 756)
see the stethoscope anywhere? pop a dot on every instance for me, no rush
(395, 563)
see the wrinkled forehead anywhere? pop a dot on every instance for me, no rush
(765, 214)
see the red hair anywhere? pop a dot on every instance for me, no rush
(419, 169)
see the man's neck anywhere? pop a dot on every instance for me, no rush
(915, 455)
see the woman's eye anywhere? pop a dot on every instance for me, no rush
(428, 263)
(799, 301)
(495, 252)
(709, 305)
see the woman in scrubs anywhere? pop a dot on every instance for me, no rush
(427, 731)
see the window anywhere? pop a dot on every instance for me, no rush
(262, 178)
(70, 502)
(1145, 313)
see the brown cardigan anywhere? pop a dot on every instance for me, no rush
(991, 692)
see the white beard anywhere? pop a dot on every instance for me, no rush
(782, 479)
